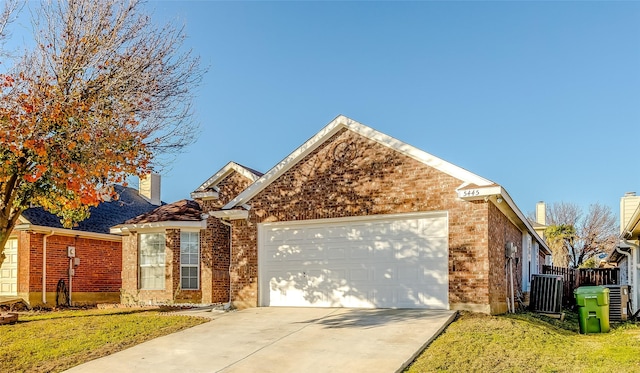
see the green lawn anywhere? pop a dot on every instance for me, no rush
(529, 343)
(55, 341)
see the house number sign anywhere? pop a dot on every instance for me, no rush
(470, 193)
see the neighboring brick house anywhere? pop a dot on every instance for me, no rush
(355, 218)
(37, 253)
(174, 254)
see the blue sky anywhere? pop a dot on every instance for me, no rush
(540, 97)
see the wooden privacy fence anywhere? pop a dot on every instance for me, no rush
(576, 277)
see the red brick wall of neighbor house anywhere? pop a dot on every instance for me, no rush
(96, 279)
(350, 175)
(501, 232)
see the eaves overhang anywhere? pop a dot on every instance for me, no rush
(125, 229)
(27, 227)
(499, 197)
(235, 214)
(206, 195)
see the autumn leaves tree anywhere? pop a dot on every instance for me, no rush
(105, 93)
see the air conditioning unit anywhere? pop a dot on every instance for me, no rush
(618, 302)
(546, 293)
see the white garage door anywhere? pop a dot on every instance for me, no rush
(382, 261)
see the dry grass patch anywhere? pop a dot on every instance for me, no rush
(55, 341)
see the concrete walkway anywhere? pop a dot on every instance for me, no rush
(276, 339)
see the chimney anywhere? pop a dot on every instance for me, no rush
(541, 213)
(150, 188)
(628, 205)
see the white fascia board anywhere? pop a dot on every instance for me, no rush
(124, 229)
(332, 128)
(284, 165)
(224, 171)
(204, 195)
(417, 154)
(66, 232)
(230, 214)
(474, 194)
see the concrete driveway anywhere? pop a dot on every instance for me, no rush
(277, 339)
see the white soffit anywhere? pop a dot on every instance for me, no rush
(332, 128)
(230, 214)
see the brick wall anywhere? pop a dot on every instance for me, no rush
(215, 241)
(350, 175)
(96, 279)
(502, 232)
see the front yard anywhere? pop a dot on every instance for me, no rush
(55, 341)
(529, 343)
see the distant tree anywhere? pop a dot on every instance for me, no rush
(558, 238)
(575, 237)
(101, 96)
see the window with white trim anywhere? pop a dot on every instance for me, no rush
(152, 261)
(189, 260)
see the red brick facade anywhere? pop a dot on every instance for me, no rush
(351, 175)
(347, 175)
(96, 278)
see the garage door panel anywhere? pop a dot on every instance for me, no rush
(389, 262)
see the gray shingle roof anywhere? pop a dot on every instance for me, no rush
(104, 216)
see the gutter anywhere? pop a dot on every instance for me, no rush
(67, 232)
(634, 299)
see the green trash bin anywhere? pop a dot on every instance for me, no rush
(593, 309)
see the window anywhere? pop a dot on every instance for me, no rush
(152, 261)
(189, 260)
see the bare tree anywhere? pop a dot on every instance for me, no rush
(105, 94)
(575, 237)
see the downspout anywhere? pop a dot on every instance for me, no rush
(44, 267)
(635, 273)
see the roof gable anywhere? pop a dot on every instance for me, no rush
(334, 127)
(209, 187)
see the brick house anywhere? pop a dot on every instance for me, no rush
(175, 253)
(37, 254)
(353, 218)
